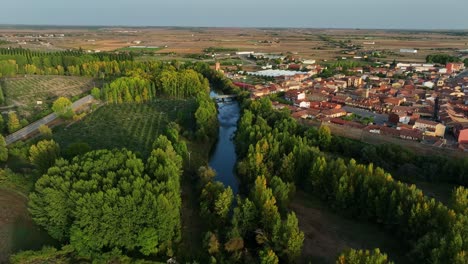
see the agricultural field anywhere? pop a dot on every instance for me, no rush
(133, 126)
(24, 92)
(141, 49)
(318, 44)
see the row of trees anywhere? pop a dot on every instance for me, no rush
(111, 201)
(128, 90)
(182, 84)
(403, 163)
(271, 143)
(65, 59)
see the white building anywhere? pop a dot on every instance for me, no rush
(413, 51)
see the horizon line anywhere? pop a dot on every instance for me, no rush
(225, 27)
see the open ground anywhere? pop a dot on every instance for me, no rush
(17, 229)
(316, 44)
(327, 234)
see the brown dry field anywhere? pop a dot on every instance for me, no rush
(303, 42)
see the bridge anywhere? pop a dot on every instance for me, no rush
(224, 97)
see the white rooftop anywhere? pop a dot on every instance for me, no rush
(276, 73)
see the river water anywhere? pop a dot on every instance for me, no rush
(223, 159)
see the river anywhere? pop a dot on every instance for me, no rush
(223, 159)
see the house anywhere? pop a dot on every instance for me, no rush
(463, 136)
(300, 114)
(413, 134)
(331, 113)
(304, 104)
(316, 96)
(401, 117)
(404, 109)
(463, 140)
(454, 67)
(430, 128)
(354, 81)
(294, 95)
(340, 99)
(394, 100)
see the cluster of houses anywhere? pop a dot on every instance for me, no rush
(421, 102)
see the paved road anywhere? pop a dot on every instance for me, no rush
(33, 127)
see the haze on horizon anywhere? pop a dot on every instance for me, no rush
(396, 14)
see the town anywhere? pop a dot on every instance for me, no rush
(422, 102)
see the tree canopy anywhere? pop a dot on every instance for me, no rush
(63, 108)
(106, 200)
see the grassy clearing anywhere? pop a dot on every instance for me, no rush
(17, 230)
(133, 126)
(327, 233)
(24, 92)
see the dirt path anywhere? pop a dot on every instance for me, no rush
(327, 234)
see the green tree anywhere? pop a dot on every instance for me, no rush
(282, 192)
(96, 93)
(2, 96)
(324, 137)
(353, 256)
(3, 149)
(268, 256)
(212, 243)
(206, 174)
(2, 124)
(459, 200)
(13, 122)
(223, 203)
(45, 131)
(63, 108)
(44, 154)
(292, 237)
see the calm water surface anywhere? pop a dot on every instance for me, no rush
(224, 157)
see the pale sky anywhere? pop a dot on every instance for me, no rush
(398, 14)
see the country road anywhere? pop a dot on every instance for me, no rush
(33, 127)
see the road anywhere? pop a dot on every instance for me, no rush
(33, 127)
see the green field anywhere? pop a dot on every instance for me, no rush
(24, 92)
(133, 126)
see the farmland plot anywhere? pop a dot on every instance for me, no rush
(133, 126)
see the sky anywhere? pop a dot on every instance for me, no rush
(393, 14)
